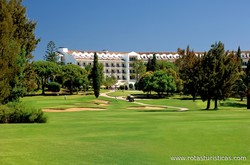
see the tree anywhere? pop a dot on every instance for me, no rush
(172, 70)
(149, 65)
(17, 41)
(189, 66)
(239, 60)
(96, 76)
(145, 83)
(24, 28)
(161, 83)
(178, 81)
(45, 70)
(165, 65)
(50, 53)
(219, 73)
(24, 34)
(139, 67)
(101, 68)
(248, 84)
(74, 77)
(153, 63)
(9, 50)
(89, 69)
(240, 88)
(30, 79)
(110, 81)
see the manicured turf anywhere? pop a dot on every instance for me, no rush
(122, 136)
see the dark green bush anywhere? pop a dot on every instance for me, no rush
(16, 112)
(136, 86)
(131, 86)
(54, 86)
(5, 113)
(122, 87)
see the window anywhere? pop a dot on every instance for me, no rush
(132, 59)
(132, 77)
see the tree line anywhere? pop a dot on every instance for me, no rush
(70, 76)
(212, 76)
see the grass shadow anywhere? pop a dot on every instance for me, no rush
(152, 96)
(186, 98)
(233, 104)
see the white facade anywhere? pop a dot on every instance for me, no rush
(119, 63)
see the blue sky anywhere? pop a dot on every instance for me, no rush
(140, 25)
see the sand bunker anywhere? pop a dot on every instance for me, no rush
(147, 108)
(101, 102)
(73, 109)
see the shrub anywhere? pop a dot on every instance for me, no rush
(4, 113)
(131, 86)
(54, 86)
(16, 112)
(136, 86)
(122, 87)
(126, 87)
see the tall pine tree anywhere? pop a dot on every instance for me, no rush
(189, 71)
(24, 34)
(149, 65)
(239, 60)
(96, 76)
(17, 41)
(9, 50)
(153, 63)
(50, 52)
(219, 73)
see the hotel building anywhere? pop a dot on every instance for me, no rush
(119, 63)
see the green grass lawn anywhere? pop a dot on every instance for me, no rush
(122, 136)
(124, 93)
